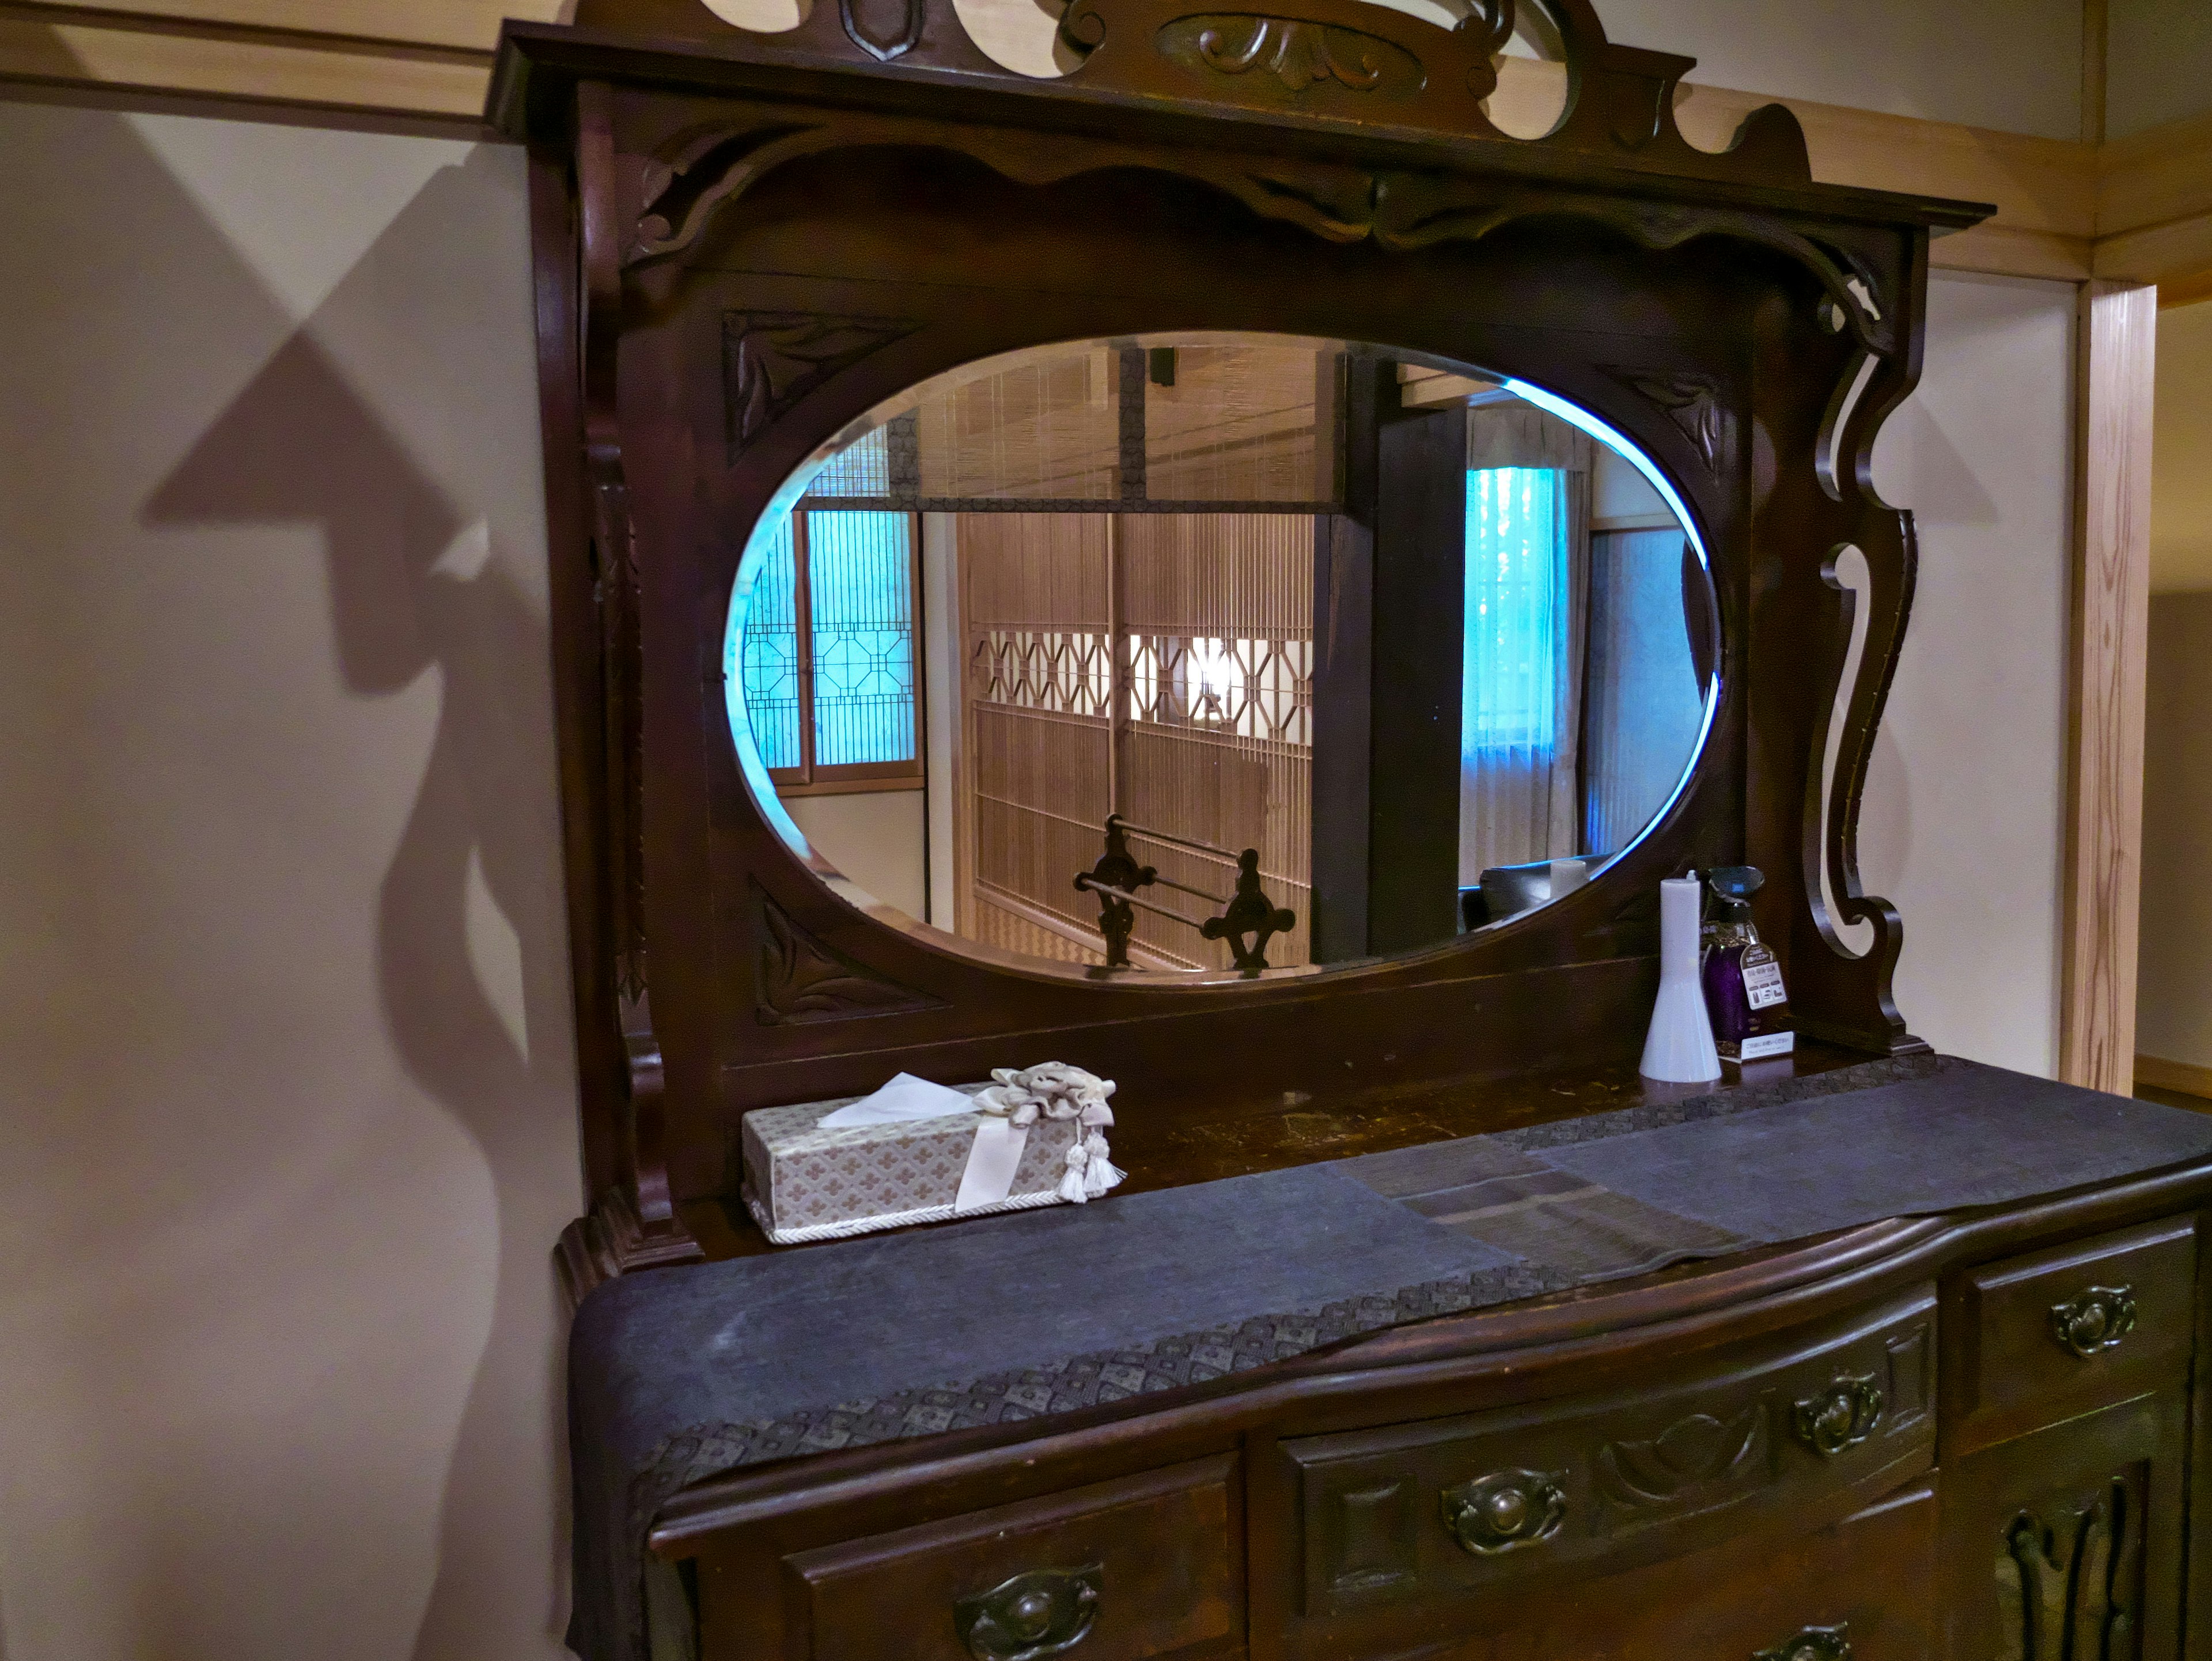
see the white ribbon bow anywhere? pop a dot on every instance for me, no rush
(1055, 1089)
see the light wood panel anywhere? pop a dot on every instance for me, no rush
(2185, 1076)
(2115, 334)
(64, 46)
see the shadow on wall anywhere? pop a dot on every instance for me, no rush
(417, 587)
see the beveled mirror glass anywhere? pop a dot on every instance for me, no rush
(1197, 652)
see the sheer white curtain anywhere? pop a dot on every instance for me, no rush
(1527, 583)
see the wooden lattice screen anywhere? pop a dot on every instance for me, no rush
(1157, 665)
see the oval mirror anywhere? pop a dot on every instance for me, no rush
(1190, 652)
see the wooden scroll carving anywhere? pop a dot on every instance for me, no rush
(1325, 57)
(801, 979)
(770, 360)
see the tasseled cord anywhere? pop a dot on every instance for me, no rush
(1061, 1092)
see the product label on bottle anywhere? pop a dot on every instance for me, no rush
(1762, 982)
(1757, 1049)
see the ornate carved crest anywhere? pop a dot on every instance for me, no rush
(796, 979)
(1296, 53)
(884, 29)
(770, 360)
(1692, 402)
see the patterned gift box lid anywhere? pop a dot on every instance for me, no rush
(798, 1130)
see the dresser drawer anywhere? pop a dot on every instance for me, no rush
(2056, 1333)
(1863, 1590)
(1142, 1566)
(1422, 1517)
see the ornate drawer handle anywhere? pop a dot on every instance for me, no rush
(1812, 1644)
(2097, 1319)
(1504, 1510)
(1840, 1417)
(1037, 1614)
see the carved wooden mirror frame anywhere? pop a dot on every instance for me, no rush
(745, 241)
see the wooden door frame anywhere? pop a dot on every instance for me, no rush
(2114, 367)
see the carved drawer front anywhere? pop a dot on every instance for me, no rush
(1861, 1589)
(1142, 1566)
(2067, 1544)
(1798, 1433)
(2051, 1335)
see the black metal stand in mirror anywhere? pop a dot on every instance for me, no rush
(1112, 583)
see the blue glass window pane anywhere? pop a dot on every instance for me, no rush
(859, 576)
(1515, 548)
(768, 644)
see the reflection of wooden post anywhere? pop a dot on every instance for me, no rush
(1343, 683)
(1420, 587)
(1117, 668)
(802, 613)
(1390, 586)
(964, 815)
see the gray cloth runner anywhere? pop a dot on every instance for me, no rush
(677, 1375)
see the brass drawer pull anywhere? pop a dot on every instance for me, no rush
(1812, 1644)
(1840, 1417)
(1504, 1510)
(1043, 1612)
(2097, 1319)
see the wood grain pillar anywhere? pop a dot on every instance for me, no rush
(2115, 332)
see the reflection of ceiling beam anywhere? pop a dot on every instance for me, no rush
(1420, 388)
(2136, 209)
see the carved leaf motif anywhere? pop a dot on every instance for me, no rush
(1296, 52)
(770, 360)
(1689, 1455)
(1692, 402)
(2066, 1579)
(801, 979)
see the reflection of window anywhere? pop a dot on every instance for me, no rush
(834, 703)
(1514, 550)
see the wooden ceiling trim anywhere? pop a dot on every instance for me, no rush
(97, 51)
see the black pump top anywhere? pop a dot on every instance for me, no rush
(1733, 885)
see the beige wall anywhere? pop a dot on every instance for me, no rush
(876, 838)
(288, 1108)
(2158, 63)
(2015, 65)
(1963, 823)
(2173, 991)
(2012, 64)
(2181, 480)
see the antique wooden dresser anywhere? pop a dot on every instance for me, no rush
(1423, 1326)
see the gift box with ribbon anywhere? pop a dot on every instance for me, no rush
(920, 1153)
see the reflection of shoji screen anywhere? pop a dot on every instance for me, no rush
(1219, 613)
(1036, 749)
(1643, 708)
(1046, 429)
(1238, 425)
(1216, 717)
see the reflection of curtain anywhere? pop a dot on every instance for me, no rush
(1528, 546)
(1646, 707)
